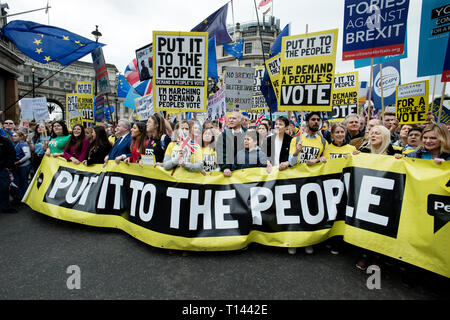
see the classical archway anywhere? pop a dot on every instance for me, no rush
(56, 110)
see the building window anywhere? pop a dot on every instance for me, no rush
(61, 84)
(26, 79)
(248, 47)
(50, 83)
(248, 65)
(225, 53)
(266, 47)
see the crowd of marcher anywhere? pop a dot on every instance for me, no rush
(236, 143)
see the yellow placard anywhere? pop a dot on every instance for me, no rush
(273, 68)
(345, 95)
(307, 71)
(73, 114)
(412, 102)
(180, 71)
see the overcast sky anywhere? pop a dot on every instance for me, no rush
(127, 25)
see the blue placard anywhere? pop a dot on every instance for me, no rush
(391, 79)
(374, 30)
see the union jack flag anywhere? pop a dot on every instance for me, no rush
(186, 143)
(132, 75)
(260, 117)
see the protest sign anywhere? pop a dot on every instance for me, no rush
(412, 102)
(85, 100)
(34, 108)
(373, 28)
(239, 86)
(446, 70)
(273, 66)
(307, 71)
(216, 105)
(386, 77)
(101, 73)
(434, 34)
(144, 107)
(345, 95)
(73, 114)
(144, 57)
(258, 101)
(99, 109)
(374, 201)
(26, 109)
(180, 71)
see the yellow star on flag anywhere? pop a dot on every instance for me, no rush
(66, 38)
(47, 58)
(38, 42)
(38, 51)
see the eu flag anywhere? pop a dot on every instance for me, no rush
(216, 25)
(122, 87)
(47, 43)
(266, 85)
(235, 49)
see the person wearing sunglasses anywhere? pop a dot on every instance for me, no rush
(8, 129)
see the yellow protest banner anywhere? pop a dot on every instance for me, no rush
(345, 95)
(73, 114)
(273, 66)
(85, 100)
(412, 102)
(396, 207)
(307, 71)
(180, 71)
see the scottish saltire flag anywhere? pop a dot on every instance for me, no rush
(132, 75)
(235, 49)
(266, 85)
(46, 44)
(216, 25)
(212, 59)
(122, 86)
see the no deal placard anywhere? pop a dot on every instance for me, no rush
(180, 71)
(307, 71)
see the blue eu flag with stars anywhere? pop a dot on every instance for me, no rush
(234, 49)
(216, 25)
(122, 87)
(46, 44)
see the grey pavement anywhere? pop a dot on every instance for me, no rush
(36, 251)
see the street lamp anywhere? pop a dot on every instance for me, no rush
(32, 72)
(97, 34)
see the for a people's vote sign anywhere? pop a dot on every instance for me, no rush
(180, 71)
(307, 71)
(412, 102)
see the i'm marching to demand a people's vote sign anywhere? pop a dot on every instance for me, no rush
(412, 102)
(180, 71)
(307, 71)
(374, 28)
(345, 95)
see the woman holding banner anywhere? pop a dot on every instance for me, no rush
(77, 148)
(138, 142)
(99, 147)
(38, 145)
(209, 151)
(413, 140)
(339, 147)
(60, 137)
(158, 141)
(436, 144)
(183, 152)
(379, 142)
(277, 145)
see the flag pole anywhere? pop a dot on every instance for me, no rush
(370, 91)
(442, 102)
(381, 92)
(432, 97)
(262, 49)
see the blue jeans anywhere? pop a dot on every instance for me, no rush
(4, 190)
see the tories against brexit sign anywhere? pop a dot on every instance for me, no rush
(374, 28)
(180, 71)
(307, 71)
